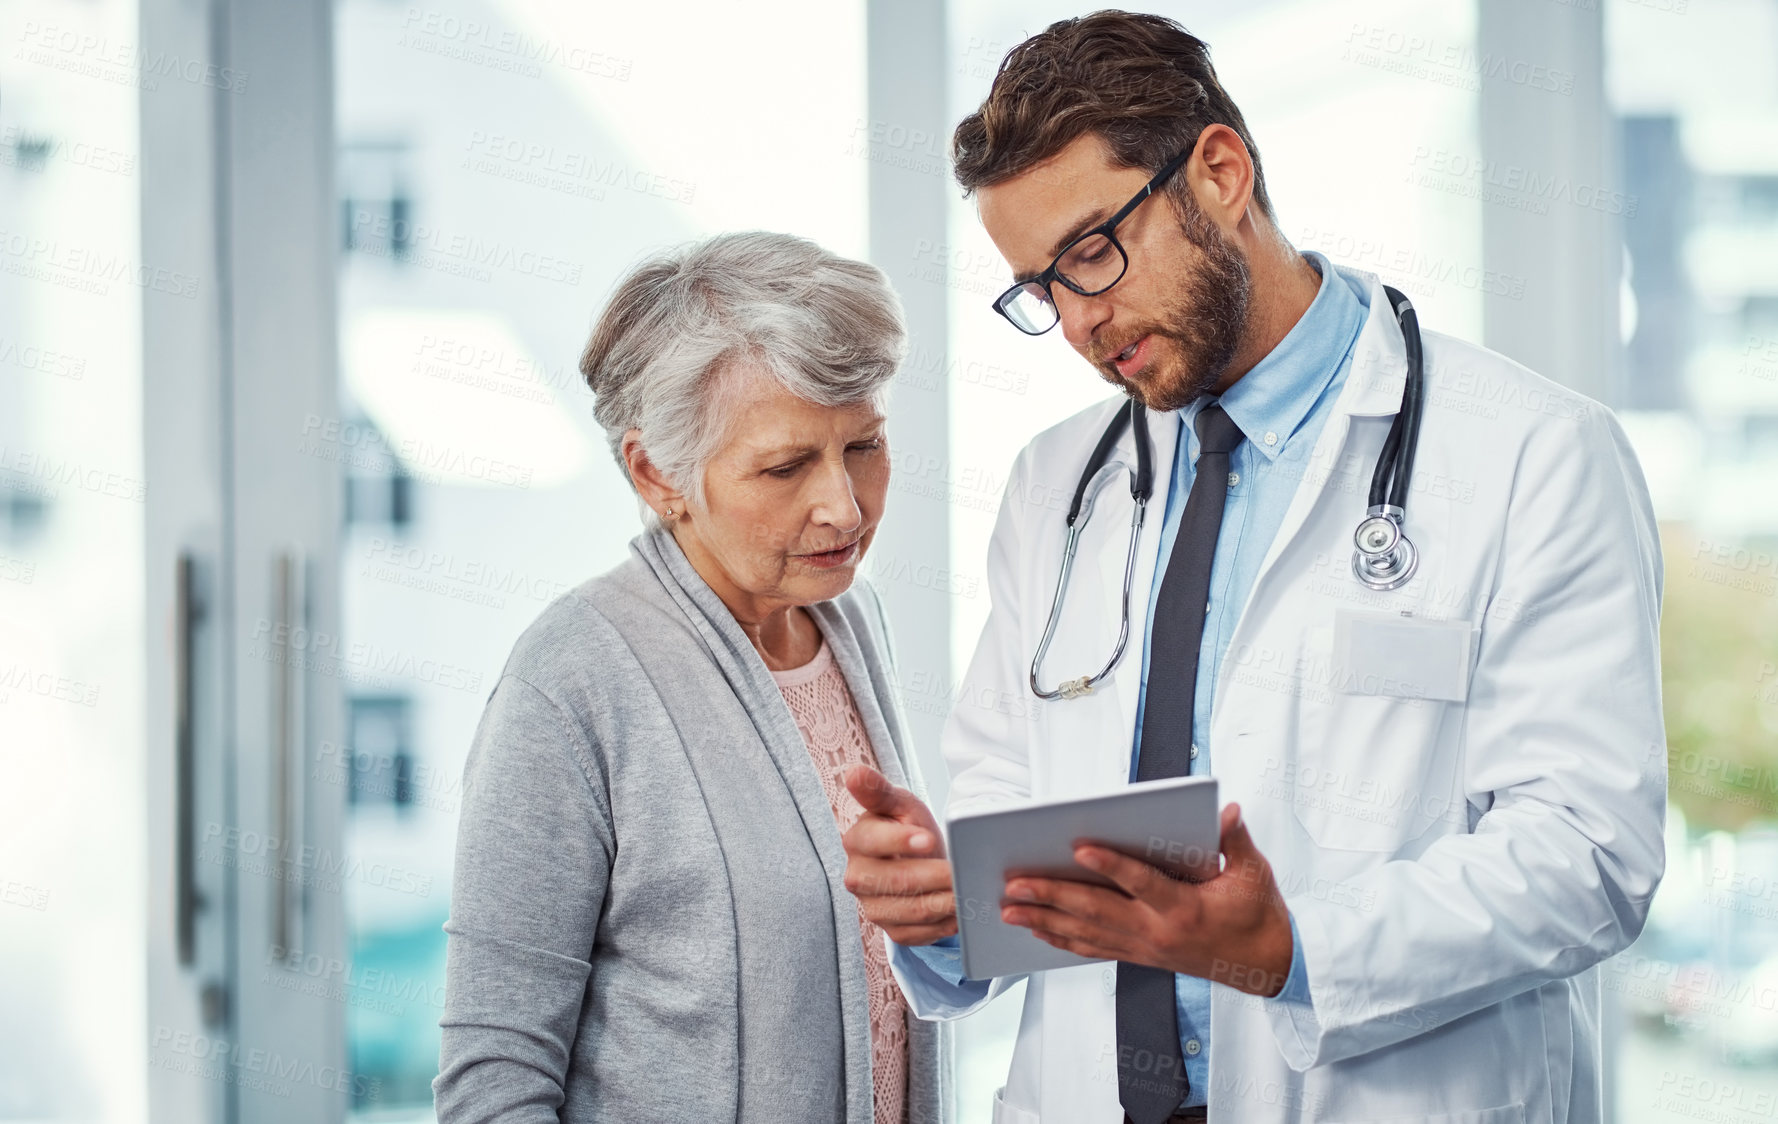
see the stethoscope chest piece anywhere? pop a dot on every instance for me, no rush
(1382, 557)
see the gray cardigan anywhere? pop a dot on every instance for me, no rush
(647, 916)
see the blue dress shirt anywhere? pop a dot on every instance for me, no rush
(1280, 407)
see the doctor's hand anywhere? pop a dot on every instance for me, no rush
(1232, 929)
(895, 862)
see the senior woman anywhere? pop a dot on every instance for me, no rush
(648, 921)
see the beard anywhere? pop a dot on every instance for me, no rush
(1200, 332)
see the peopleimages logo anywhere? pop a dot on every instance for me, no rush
(1759, 357)
(43, 475)
(324, 652)
(346, 981)
(45, 360)
(450, 575)
(232, 1063)
(1513, 185)
(1406, 265)
(469, 251)
(551, 166)
(285, 860)
(20, 148)
(1450, 64)
(94, 56)
(46, 684)
(474, 41)
(85, 268)
(364, 446)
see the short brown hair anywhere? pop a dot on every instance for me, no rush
(1142, 82)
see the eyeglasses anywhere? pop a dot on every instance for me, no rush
(1089, 265)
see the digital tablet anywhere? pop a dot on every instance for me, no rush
(1171, 824)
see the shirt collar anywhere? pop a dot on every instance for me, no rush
(1277, 395)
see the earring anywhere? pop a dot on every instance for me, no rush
(669, 513)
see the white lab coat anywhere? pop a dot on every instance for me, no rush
(1457, 870)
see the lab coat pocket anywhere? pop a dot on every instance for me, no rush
(1009, 1114)
(1378, 653)
(1373, 766)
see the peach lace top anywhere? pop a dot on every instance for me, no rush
(828, 718)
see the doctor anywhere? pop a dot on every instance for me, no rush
(1444, 799)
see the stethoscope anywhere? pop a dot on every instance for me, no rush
(1383, 557)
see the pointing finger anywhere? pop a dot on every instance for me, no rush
(879, 837)
(873, 791)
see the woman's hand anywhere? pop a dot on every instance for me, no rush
(895, 862)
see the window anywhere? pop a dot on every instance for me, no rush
(379, 489)
(376, 208)
(381, 733)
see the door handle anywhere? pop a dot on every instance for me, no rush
(289, 709)
(188, 612)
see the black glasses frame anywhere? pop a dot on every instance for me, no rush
(1052, 274)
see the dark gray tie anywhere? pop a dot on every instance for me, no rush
(1150, 1072)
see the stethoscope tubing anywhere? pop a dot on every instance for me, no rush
(1381, 569)
(1395, 464)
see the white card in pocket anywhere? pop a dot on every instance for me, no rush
(1407, 657)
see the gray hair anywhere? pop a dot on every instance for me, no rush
(665, 356)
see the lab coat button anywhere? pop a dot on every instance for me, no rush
(1109, 976)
